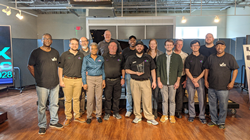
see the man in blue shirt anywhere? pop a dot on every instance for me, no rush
(94, 82)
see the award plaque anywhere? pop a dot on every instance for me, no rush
(140, 67)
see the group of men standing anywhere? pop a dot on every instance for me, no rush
(102, 66)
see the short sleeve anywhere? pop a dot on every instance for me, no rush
(186, 63)
(123, 62)
(128, 63)
(233, 64)
(206, 65)
(152, 64)
(32, 58)
(61, 61)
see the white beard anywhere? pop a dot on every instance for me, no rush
(84, 47)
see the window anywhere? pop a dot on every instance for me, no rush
(195, 32)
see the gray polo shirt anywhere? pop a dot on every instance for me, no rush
(85, 53)
(103, 47)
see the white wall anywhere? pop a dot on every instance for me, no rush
(238, 26)
(60, 26)
(25, 28)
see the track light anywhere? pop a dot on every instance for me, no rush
(183, 20)
(19, 15)
(216, 19)
(7, 11)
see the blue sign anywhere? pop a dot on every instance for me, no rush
(6, 67)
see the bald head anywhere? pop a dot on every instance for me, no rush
(107, 36)
(209, 38)
(84, 42)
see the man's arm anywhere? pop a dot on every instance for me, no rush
(231, 84)
(60, 74)
(32, 70)
(153, 74)
(133, 72)
(123, 76)
(205, 77)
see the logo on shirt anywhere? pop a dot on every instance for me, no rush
(54, 59)
(68, 57)
(79, 58)
(134, 62)
(99, 60)
(118, 59)
(223, 64)
(145, 60)
(201, 61)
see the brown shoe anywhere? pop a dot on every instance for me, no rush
(172, 119)
(81, 120)
(67, 122)
(163, 118)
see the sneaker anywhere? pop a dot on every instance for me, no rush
(203, 121)
(191, 119)
(154, 122)
(57, 125)
(178, 115)
(222, 126)
(99, 119)
(136, 120)
(106, 117)
(81, 120)
(117, 116)
(211, 124)
(67, 122)
(172, 119)
(163, 118)
(128, 114)
(42, 131)
(88, 121)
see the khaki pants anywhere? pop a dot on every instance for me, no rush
(82, 102)
(71, 90)
(94, 92)
(142, 90)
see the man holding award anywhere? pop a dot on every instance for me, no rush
(140, 66)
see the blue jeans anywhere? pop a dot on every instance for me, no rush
(43, 94)
(214, 96)
(201, 95)
(129, 99)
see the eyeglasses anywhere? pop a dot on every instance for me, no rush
(47, 39)
(84, 41)
(195, 45)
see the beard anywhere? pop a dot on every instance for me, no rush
(139, 52)
(84, 47)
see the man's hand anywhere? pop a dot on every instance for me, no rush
(122, 82)
(85, 87)
(195, 80)
(196, 85)
(154, 85)
(206, 84)
(230, 85)
(184, 84)
(103, 84)
(139, 73)
(62, 84)
(160, 84)
(176, 85)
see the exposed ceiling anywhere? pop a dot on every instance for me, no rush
(128, 6)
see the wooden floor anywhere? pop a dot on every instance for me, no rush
(22, 123)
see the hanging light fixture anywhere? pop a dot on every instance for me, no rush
(216, 19)
(19, 15)
(7, 11)
(183, 20)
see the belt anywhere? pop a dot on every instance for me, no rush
(113, 79)
(140, 79)
(71, 77)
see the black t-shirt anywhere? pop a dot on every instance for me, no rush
(220, 69)
(207, 51)
(46, 67)
(71, 64)
(195, 64)
(145, 63)
(113, 65)
(128, 52)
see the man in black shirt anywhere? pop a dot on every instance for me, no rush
(209, 48)
(126, 53)
(219, 67)
(140, 66)
(43, 63)
(70, 65)
(114, 69)
(195, 72)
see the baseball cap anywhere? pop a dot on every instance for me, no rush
(220, 42)
(139, 43)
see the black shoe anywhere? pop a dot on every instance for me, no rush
(178, 115)
(211, 124)
(222, 126)
(191, 119)
(42, 131)
(155, 113)
(57, 125)
(203, 121)
(88, 121)
(99, 120)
